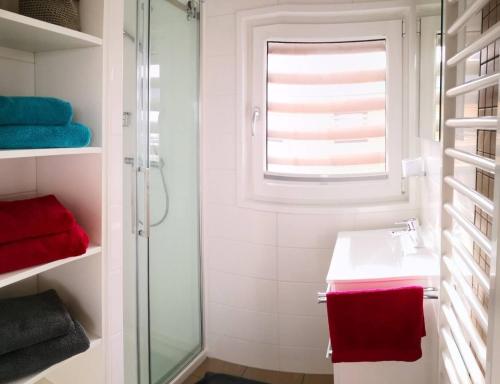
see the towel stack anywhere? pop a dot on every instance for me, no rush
(37, 231)
(36, 332)
(39, 122)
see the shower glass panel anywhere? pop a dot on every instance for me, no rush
(167, 309)
(174, 257)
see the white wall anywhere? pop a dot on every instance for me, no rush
(430, 193)
(262, 268)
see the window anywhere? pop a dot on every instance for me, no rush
(326, 108)
(320, 111)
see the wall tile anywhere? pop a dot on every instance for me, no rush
(243, 292)
(241, 224)
(303, 331)
(265, 356)
(307, 360)
(220, 35)
(252, 326)
(222, 7)
(219, 115)
(242, 258)
(220, 152)
(220, 186)
(220, 75)
(311, 231)
(303, 264)
(383, 219)
(300, 298)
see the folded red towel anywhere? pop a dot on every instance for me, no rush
(376, 325)
(40, 250)
(23, 219)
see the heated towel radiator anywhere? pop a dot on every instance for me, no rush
(469, 328)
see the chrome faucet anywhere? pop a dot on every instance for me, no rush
(412, 229)
(411, 225)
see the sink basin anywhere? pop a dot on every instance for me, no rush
(378, 259)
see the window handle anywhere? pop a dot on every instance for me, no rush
(255, 118)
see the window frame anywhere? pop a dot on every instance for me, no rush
(253, 185)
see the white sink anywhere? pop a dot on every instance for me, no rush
(377, 259)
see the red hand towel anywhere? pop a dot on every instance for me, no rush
(23, 219)
(376, 325)
(41, 250)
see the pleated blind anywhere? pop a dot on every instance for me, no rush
(326, 108)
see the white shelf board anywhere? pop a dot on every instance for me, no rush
(39, 376)
(20, 153)
(32, 35)
(16, 276)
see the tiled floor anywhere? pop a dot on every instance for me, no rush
(270, 377)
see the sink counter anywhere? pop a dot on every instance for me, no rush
(377, 259)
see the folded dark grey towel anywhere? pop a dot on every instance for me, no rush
(30, 320)
(40, 356)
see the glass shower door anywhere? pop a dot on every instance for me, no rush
(169, 291)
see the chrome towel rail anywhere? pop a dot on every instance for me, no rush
(469, 227)
(486, 38)
(456, 358)
(467, 258)
(487, 123)
(463, 346)
(429, 293)
(470, 329)
(474, 85)
(464, 17)
(482, 201)
(466, 290)
(475, 160)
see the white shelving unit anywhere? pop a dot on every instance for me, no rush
(27, 34)
(20, 153)
(42, 59)
(17, 276)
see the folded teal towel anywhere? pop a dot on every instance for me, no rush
(34, 111)
(73, 135)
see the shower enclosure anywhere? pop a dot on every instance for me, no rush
(163, 326)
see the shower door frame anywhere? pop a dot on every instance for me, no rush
(142, 216)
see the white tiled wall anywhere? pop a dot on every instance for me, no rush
(430, 193)
(263, 268)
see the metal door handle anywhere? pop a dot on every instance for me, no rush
(145, 231)
(133, 193)
(255, 118)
